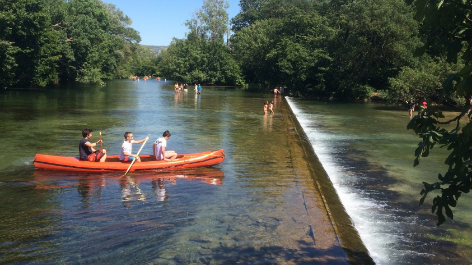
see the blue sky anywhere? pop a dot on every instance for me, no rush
(158, 21)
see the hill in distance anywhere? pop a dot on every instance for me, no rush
(156, 49)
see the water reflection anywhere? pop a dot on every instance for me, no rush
(178, 97)
(197, 100)
(267, 123)
(158, 187)
(90, 185)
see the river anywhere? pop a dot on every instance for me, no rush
(262, 205)
(272, 201)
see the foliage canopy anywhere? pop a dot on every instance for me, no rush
(202, 57)
(49, 41)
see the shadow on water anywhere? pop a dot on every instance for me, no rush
(227, 254)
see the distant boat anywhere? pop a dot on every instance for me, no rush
(113, 164)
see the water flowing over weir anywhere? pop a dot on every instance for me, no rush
(355, 204)
(366, 158)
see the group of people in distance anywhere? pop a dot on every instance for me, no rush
(269, 106)
(278, 90)
(87, 151)
(135, 77)
(198, 89)
(182, 87)
(412, 104)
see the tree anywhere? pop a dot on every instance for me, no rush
(251, 47)
(325, 48)
(47, 41)
(197, 60)
(202, 57)
(286, 45)
(89, 27)
(374, 39)
(250, 10)
(447, 26)
(211, 21)
(27, 54)
(424, 80)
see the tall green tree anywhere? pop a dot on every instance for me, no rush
(202, 57)
(211, 21)
(250, 13)
(47, 41)
(286, 45)
(195, 60)
(325, 48)
(27, 53)
(374, 39)
(252, 46)
(95, 36)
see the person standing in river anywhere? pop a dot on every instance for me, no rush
(411, 107)
(266, 103)
(271, 107)
(86, 151)
(176, 87)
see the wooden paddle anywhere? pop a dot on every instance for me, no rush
(101, 141)
(137, 154)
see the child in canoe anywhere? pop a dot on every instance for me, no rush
(86, 150)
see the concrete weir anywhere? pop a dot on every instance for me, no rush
(332, 228)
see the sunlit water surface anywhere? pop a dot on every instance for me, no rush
(368, 155)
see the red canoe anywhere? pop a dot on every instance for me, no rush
(113, 164)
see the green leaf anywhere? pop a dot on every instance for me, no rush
(419, 51)
(465, 71)
(441, 218)
(448, 211)
(420, 9)
(423, 198)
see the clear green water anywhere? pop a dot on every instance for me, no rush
(254, 208)
(368, 155)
